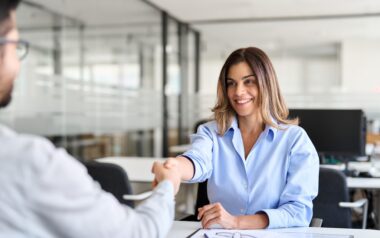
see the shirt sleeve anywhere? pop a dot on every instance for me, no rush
(296, 202)
(200, 154)
(66, 202)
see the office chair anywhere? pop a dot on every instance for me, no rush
(112, 178)
(332, 203)
(202, 199)
(198, 123)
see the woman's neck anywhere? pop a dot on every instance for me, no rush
(251, 124)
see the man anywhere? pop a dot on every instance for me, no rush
(44, 192)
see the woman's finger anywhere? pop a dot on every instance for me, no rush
(210, 215)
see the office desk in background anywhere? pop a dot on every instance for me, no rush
(370, 184)
(139, 171)
(179, 149)
(137, 168)
(182, 229)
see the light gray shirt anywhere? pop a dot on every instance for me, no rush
(44, 192)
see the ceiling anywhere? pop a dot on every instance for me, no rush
(225, 25)
(277, 25)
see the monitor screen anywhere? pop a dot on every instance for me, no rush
(334, 132)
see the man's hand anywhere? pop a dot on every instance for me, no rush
(161, 173)
(215, 214)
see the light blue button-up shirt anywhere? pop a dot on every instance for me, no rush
(278, 177)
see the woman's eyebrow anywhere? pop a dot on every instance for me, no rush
(244, 77)
(248, 76)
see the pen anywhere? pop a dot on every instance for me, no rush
(206, 236)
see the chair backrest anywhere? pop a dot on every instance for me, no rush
(112, 178)
(332, 190)
(198, 123)
(202, 200)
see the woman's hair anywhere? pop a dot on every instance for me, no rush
(271, 102)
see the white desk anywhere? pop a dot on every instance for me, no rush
(368, 184)
(369, 167)
(363, 183)
(139, 170)
(179, 149)
(182, 229)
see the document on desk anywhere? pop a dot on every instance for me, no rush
(220, 233)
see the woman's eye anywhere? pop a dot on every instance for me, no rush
(249, 81)
(230, 83)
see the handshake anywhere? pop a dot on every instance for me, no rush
(168, 170)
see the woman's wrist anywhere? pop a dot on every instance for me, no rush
(237, 222)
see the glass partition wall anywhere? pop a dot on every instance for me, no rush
(98, 85)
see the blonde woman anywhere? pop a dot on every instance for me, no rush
(262, 168)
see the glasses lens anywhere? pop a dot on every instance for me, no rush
(22, 50)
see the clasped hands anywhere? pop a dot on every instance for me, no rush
(210, 214)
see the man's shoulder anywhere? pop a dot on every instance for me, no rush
(24, 146)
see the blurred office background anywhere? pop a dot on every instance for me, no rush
(98, 81)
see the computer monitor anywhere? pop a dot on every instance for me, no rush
(334, 132)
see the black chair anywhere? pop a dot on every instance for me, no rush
(202, 200)
(332, 203)
(112, 178)
(198, 123)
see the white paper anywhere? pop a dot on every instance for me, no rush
(224, 233)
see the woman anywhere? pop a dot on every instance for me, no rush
(262, 168)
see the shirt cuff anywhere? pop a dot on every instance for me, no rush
(197, 168)
(275, 218)
(166, 189)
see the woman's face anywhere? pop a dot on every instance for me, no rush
(242, 90)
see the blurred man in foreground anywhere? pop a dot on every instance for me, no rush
(47, 193)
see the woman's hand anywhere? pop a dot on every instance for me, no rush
(216, 214)
(161, 173)
(182, 165)
(171, 163)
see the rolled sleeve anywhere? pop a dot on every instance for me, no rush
(276, 217)
(201, 154)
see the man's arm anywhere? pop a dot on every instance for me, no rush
(66, 202)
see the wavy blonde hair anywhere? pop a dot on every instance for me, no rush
(271, 102)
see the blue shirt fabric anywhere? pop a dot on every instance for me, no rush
(279, 176)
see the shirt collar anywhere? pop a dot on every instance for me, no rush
(269, 130)
(5, 131)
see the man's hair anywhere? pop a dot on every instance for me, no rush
(6, 6)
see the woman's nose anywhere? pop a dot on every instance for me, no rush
(240, 89)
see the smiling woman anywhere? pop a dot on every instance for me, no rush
(268, 162)
(256, 72)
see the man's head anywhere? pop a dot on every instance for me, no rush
(9, 61)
